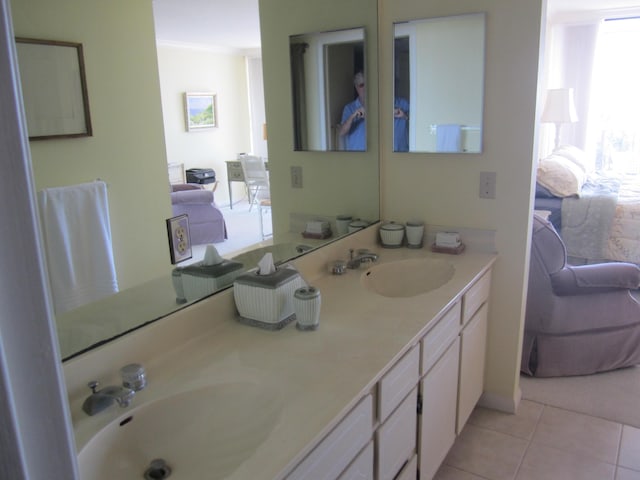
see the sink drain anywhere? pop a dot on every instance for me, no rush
(158, 470)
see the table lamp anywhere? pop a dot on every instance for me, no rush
(559, 108)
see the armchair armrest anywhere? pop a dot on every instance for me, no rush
(192, 196)
(601, 277)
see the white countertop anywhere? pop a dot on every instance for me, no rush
(320, 374)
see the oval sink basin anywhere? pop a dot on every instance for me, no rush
(407, 278)
(202, 433)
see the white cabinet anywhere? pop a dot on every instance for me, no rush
(444, 374)
(409, 471)
(437, 424)
(398, 382)
(472, 355)
(396, 438)
(473, 345)
(362, 467)
(339, 448)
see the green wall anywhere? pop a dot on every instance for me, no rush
(441, 189)
(127, 149)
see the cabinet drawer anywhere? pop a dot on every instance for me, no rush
(440, 337)
(397, 382)
(396, 438)
(336, 451)
(410, 470)
(475, 297)
(362, 467)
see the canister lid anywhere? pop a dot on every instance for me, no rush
(359, 224)
(392, 226)
(415, 223)
(307, 293)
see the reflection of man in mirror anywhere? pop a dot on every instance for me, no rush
(353, 129)
(400, 125)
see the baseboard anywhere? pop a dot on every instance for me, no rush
(501, 402)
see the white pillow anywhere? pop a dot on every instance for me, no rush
(576, 155)
(560, 176)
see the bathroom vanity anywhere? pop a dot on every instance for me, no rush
(380, 390)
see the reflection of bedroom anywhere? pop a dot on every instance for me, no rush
(588, 177)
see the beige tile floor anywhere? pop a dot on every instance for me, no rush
(542, 442)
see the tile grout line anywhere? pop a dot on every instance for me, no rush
(530, 441)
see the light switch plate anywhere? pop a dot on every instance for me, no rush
(296, 177)
(488, 184)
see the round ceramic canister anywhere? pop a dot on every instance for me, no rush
(415, 232)
(342, 224)
(391, 234)
(306, 304)
(357, 225)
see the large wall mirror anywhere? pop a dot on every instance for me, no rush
(326, 90)
(439, 84)
(130, 156)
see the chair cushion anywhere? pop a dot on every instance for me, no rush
(181, 187)
(192, 196)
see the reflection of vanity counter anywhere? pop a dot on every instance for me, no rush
(321, 376)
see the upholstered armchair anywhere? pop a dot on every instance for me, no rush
(206, 223)
(579, 319)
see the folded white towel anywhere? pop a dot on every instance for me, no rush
(77, 238)
(448, 138)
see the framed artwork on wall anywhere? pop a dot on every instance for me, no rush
(54, 88)
(200, 110)
(179, 239)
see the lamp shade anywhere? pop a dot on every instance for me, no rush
(559, 107)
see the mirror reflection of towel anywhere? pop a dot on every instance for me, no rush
(77, 240)
(448, 138)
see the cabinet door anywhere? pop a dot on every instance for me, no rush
(472, 352)
(396, 438)
(437, 423)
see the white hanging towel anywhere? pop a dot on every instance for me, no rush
(77, 238)
(448, 138)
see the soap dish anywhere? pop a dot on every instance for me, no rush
(266, 301)
(451, 250)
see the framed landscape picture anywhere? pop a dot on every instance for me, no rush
(200, 110)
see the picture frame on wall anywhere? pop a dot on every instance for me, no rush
(200, 110)
(179, 238)
(54, 88)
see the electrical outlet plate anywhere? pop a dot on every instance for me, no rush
(296, 177)
(488, 184)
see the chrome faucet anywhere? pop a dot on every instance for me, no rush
(101, 399)
(363, 256)
(133, 379)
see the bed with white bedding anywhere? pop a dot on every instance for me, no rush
(597, 215)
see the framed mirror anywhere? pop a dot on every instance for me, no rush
(439, 84)
(54, 88)
(329, 90)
